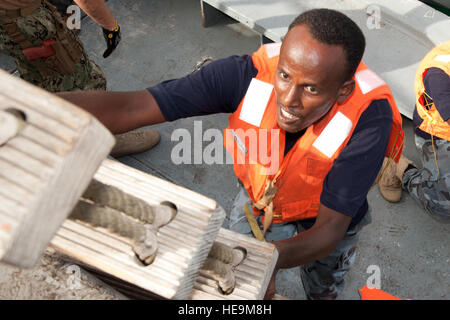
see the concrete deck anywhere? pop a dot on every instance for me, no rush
(163, 40)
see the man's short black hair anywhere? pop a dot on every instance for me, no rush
(335, 28)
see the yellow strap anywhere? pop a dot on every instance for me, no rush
(253, 223)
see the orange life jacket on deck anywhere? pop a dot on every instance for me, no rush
(432, 122)
(300, 174)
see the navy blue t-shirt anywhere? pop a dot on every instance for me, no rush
(220, 86)
(437, 86)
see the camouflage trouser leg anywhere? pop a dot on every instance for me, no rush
(40, 25)
(322, 279)
(423, 184)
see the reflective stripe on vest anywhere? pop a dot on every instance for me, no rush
(300, 174)
(432, 122)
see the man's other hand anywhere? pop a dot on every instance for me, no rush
(271, 287)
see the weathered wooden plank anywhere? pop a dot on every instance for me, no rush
(10, 207)
(98, 234)
(117, 251)
(28, 179)
(74, 118)
(45, 166)
(53, 127)
(258, 247)
(8, 225)
(203, 285)
(35, 151)
(13, 191)
(245, 283)
(252, 275)
(47, 140)
(200, 295)
(248, 285)
(162, 189)
(40, 169)
(79, 252)
(10, 126)
(183, 244)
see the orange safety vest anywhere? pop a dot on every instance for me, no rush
(300, 174)
(432, 122)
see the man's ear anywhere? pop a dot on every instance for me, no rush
(346, 90)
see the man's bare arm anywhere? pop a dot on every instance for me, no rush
(99, 12)
(316, 243)
(311, 245)
(118, 111)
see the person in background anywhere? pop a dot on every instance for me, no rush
(430, 185)
(49, 55)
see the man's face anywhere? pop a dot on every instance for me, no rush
(309, 80)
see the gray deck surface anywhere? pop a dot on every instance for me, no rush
(163, 40)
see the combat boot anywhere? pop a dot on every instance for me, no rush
(133, 142)
(402, 165)
(390, 185)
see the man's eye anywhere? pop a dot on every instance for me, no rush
(284, 75)
(311, 89)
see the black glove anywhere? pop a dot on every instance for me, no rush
(112, 38)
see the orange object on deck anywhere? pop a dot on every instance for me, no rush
(368, 293)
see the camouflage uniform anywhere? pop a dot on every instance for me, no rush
(430, 186)
(321, 279)
(40, 25)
